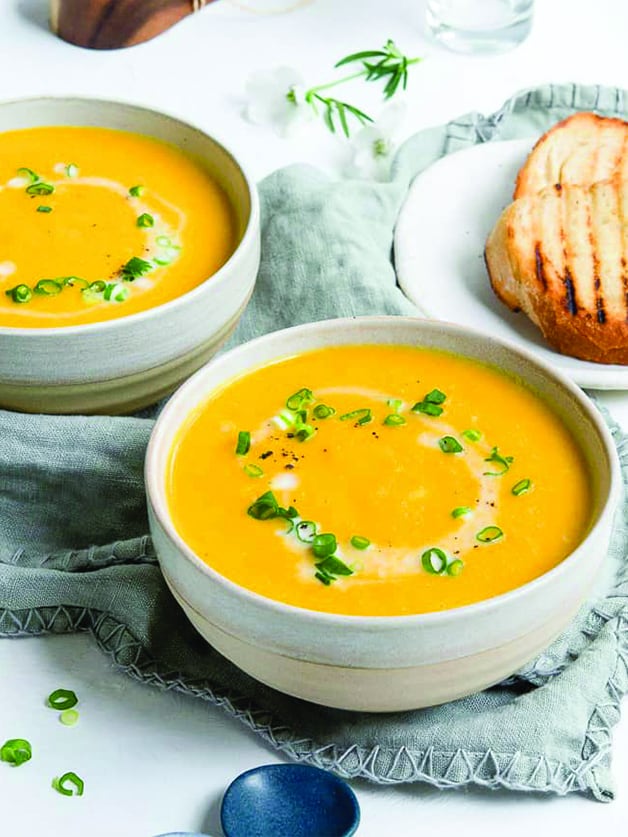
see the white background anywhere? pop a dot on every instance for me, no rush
(155, 762)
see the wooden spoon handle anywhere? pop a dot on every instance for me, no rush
(111, 24)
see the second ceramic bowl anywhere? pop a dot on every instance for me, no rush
(133, 361)
(393, 662)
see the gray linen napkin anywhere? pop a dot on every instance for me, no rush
(75, 556)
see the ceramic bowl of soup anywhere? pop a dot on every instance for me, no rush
(380, 513)
(130, 247)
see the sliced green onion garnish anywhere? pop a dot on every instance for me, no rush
(322, 411)
(427, 408)
(305, 432)
(362, 416)
(163, 241)
(145, 220)
(264, 508)
(62, 699)
(136, 191)
(252, 470)
(461, 511)
(135, 268)
(435, 397)
(395, 404)
(324, 578)
(72, 170)
(306, 530)
(20, 293)
(324, 545)
(521, 487)
(489, 534)
(472, 435)
(69, 784)
(394, 420)
(40, 188)
(45, 209)
(455, 568)
(16, 751)
(301, 398)
(244, 443)
(333, 566)
(450, 445)
(97, 287)
(434, 561)
(29, 174)
(285, 419)
(48, 287)
(69, 717)
(359, 542)
(503, 461)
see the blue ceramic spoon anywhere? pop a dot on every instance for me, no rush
(289, 800)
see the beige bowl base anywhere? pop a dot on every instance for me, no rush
(384, 689)
(117, 396)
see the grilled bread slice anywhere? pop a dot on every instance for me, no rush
(582, 149)
(561, 256)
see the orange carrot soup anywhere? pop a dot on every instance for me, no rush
(97, 224)
(377, 480)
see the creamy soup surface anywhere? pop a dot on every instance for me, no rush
(97, 224)
(377, 480)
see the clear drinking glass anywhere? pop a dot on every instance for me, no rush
(479, 25)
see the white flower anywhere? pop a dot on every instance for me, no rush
(276, 98)
(372, 147)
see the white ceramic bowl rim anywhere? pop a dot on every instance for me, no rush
(155, 484)
(218, 278)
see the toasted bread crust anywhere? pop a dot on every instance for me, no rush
(581, 150)
(561, 256)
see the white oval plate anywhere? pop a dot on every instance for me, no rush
(439, 252)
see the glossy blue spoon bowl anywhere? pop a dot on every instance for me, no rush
(289, 800)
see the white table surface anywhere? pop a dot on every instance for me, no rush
(156, 762)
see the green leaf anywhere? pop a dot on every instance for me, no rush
(359, 56)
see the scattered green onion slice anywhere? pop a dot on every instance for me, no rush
(472, 435)
(305, 432)
(323, 411)
(434, 561)
(324, 578)
(145, 220)
(435, 397)
(69, 717)
(48, 287)
(20, 293)
(427, 408)
(45, 209)
(72, 170)
(504, 461)
(362, 416)
(395, 404)
(252, 470)
(16, 751)
(455, 568)
(521, 487)
(163, 241)
(116, 292)
(62, 699)
(264, 508)
(69, 784)
(97, 287)
(360, 542)
(324, 545)
(333, 566)
(134, 268)
(461, 511)
(243, 445)
(489, 534)
(450, 445)
(394, 420)
(40, 188)
(136, 191)
(306, 531)
(31, 176)
(300, 398)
